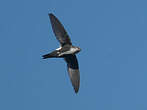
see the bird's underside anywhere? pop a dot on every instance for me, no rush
(62, 52)
(66, 51)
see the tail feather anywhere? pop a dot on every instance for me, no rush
(47, 56)
(51, 55)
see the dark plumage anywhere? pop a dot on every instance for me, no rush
(66, 51)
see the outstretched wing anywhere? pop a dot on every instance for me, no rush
(59, 30)
(73, 70)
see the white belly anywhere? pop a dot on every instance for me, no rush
(71, 51)
(59, 48)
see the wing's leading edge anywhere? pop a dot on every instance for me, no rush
(59, 31)
(73, 70)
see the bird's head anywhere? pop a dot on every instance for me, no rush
(77, 49)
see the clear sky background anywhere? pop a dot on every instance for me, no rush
(113, 62)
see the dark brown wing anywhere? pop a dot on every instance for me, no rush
(59, 31)
(73, 70)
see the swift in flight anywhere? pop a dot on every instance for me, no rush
(66, 51)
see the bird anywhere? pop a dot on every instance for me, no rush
(66, 51)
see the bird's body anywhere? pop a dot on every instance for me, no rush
(66, 51)
(62, 52)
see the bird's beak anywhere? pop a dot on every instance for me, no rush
(79, 49)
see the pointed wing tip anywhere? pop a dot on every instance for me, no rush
(76, 90)
(50, 14)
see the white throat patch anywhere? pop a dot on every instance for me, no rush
(59, 48)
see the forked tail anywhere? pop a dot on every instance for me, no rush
(47, 56)
(53, 54)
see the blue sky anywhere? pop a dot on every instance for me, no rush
(113, 62)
